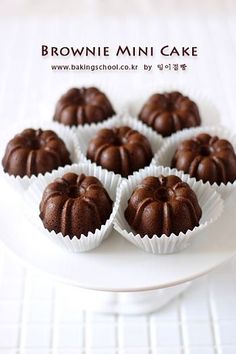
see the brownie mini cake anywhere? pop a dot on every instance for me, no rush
(75, 205)
(120, 149)
(170, 112)
(163, 205)
(35, 151)
(207, 158)
(80, 106)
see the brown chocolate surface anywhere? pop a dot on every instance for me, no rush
(163, 205)
(79, 106)
(207, 158)
(35, 151)
(121, 150)
(74, 205)
(170, 112)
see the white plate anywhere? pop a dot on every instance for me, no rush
(117, 265)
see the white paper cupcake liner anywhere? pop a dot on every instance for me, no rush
(85, 134)
(209, 112)
(75, 128)
(166, 153)
(48, 104)
(33, 198)
(210, 202)
(69, 138)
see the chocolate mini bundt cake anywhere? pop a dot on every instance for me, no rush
(207, 158)
(80, 106)
(170, 112)
(163, 205)
(35, 151)
(121, 150)
(74, 205)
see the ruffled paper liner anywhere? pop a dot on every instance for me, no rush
(87, 242)
(167, 151)
(22, 183)
(210, 202)
(85, 134)
(48, 104)
(75, 128)
(209, 112)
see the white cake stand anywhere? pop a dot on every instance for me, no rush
(117, 276)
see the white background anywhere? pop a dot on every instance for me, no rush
(40, 317)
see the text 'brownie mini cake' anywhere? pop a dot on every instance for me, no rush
(80, 106)
(75, 205)
(35, 151)
(120, 149)
(163, 205)
(170, 112)
(207, 158)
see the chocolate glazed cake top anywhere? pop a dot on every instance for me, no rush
(79, 106)
(170, 112)
(120, 149)
(35, 151)
(75, 205)
(207, 158)
(163, 205)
